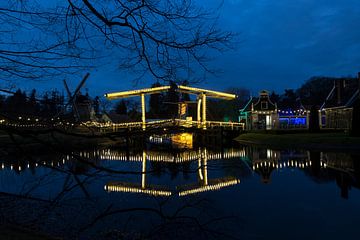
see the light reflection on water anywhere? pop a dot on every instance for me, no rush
(238, 192)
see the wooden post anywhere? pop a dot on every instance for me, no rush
(203, 119)
(143, 118)
(198, 116)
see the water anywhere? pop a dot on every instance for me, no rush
(239, 192)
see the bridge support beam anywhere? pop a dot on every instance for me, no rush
(203, 119)
(198, 115)
(143, 111)
(201, 111)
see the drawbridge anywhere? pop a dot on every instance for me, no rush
(201, 101)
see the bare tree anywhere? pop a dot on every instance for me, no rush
(163, 38)
(31, 43)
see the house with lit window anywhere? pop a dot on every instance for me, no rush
(336, 111)
(260, 113)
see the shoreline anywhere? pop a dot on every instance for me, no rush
(309, 141)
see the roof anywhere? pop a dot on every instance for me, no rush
(264, 98)
(247, 107)
(255, 102)
(349, 93)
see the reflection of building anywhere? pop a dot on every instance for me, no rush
(260, 113)
(336, 111)
(265, 161)
(345, 169)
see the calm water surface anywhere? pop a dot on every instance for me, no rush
(238, 192)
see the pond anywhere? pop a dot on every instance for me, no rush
(237, 192)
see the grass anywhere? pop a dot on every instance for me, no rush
(327, 140)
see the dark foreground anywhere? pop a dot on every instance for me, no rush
(238, 192)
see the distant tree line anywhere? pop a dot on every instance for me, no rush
(21, 104)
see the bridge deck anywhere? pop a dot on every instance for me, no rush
(114, 127)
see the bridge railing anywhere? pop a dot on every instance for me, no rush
(114, 127)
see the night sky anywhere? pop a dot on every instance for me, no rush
(282, 43)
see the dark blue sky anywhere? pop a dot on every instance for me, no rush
(282, 43)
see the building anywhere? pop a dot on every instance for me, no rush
(260, 113)
(336, 111)
(295, 117)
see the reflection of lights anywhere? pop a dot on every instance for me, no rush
(275, 164)
(119, 187)
(168, 157)
(211, 187)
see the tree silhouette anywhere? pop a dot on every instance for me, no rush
(314, 120)
(162, 38)
(16, 103)
(156, 103)
(288, 99)
(33, 105)
(121, 107)
(315, 90)
(171, 101)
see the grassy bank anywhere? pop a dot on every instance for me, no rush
(328, 141)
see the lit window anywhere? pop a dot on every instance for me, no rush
(264, 105)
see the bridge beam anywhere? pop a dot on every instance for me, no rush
(143, 111)
(203, 119)
(198, 115)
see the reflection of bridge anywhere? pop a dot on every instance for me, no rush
(23, 165)
(261, 161)
(204, 184)
(185, 156)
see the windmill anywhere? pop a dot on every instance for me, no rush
(72, 96)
